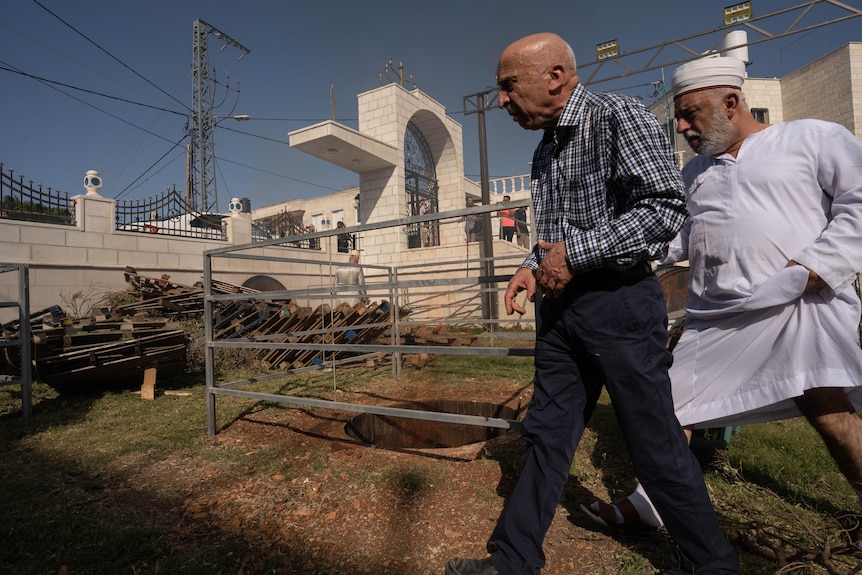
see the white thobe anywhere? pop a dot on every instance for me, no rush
(754, 340)
(350, 277)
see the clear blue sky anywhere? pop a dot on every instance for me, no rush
(53, 133)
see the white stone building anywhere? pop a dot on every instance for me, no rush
(410, 160)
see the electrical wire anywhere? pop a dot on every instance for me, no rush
(171, 149)
(6, 67)
(54, 85)
(84, 36)
(98, 109)
(280, 175)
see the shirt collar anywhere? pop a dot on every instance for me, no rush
(569, 119)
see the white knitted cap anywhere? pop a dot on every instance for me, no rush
(705, 73)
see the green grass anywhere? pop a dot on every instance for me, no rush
(775, 487)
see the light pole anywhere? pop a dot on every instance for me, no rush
(489, 297)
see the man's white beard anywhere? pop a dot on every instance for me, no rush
(719, 136)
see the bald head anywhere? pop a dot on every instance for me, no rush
(536, 76)
(544, 49)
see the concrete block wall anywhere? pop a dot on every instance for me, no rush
(805, 96)
(91, 256)
(765, 93)
(855, 50)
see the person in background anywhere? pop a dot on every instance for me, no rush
(507, 222)
(352, 278)
(773, 244)
(345, 240)
(607, 198)
(522, 230)
(313, 243)
(472, 223)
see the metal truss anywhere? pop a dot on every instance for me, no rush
(758, 25)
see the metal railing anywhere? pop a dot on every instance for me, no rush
(168, 214)
(434, 293)
(20, 200)
(19, 347)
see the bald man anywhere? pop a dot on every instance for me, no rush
(607, 199)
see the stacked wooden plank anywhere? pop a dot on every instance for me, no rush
(71, 355)
(273, 320)
(124, 360)
(440, 335)
(160, 295)
(285, 322)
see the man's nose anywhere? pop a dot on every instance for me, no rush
(502, 99)
(682, 126)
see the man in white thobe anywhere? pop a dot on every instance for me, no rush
(774, 242)
(350, 280)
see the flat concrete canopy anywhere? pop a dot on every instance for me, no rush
(344, 147)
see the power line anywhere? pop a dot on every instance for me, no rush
(277, 141)
(53, 84)
(6, 67)
(98, 109)
(171, 149)
(279, 175)
(302, 119)
(84, 36)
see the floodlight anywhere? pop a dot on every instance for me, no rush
(737, 13)
(607, 49)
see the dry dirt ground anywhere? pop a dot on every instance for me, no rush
(319, 501)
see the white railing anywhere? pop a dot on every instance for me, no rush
(509, 185)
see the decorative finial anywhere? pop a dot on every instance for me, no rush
(92, 183)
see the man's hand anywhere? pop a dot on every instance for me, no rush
(554, 271)
(522, 280)
(815, 282)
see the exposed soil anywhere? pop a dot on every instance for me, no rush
(319, 501)
(289, 491)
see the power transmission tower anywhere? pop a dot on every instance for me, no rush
(201, 186)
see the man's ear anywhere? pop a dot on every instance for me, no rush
(556, 78)
(731, 102)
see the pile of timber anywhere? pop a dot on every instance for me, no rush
(71, 355)
(286, 322)
(160, 295)
(440, 335)
(270, 320)
(122, 360)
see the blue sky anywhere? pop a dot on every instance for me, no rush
(141, 51)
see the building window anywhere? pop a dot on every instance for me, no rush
(420, 177)
(761, 115)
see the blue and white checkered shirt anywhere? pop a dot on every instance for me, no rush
(604, 182)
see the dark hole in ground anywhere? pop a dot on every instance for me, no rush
(390, 432)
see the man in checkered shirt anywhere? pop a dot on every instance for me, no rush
(607, 199)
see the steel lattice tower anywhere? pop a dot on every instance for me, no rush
(201, 187)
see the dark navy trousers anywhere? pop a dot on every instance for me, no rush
(608, 329)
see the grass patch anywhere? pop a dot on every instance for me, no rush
(96, 481)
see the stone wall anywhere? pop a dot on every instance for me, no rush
(91, 256)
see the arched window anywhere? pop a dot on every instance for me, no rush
(420, 177)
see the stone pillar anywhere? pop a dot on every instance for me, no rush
(94, 213)
(238, 224)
